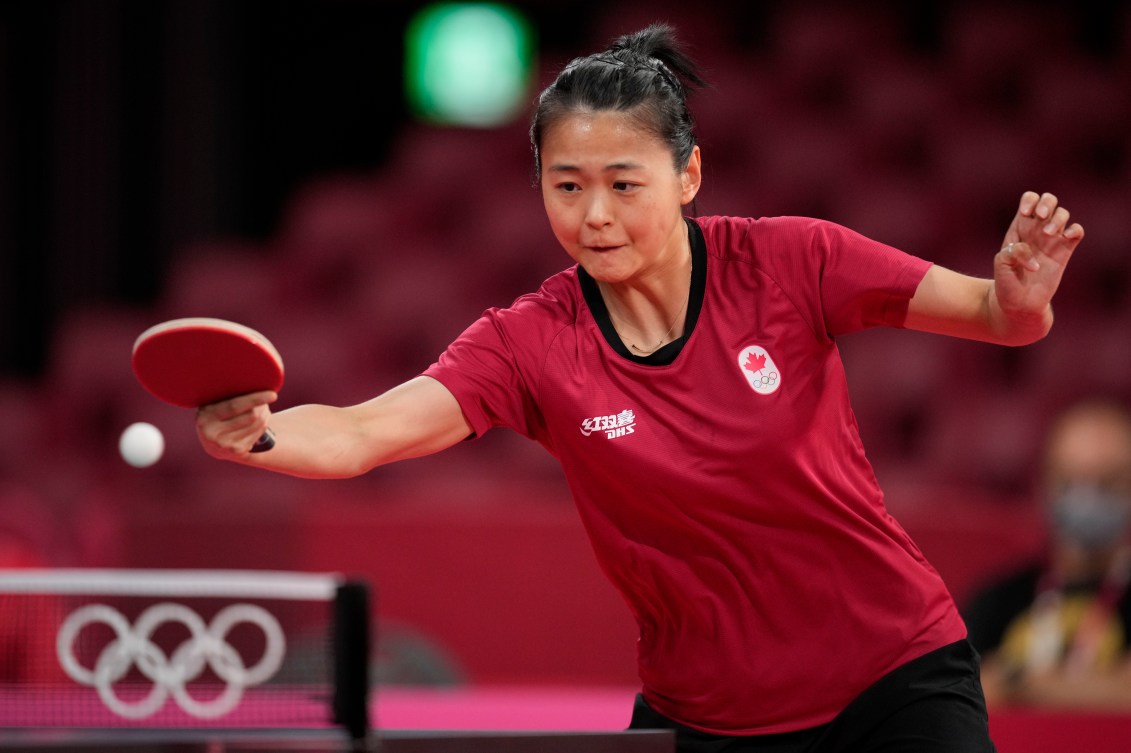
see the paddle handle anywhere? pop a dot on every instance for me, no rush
(264, 443)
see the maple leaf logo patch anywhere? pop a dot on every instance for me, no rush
(759, 369)
(755, 363)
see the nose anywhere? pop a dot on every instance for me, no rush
(598, 212)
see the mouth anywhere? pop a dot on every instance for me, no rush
(603, 249)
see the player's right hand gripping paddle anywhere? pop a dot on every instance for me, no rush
(199, 361)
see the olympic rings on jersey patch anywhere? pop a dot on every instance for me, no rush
(766, 380)
(170, 675)
(759, 370)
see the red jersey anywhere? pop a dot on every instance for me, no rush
(722, 482)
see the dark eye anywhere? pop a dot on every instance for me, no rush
(568, 187)
(622, 185)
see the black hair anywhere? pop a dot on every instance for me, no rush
(645, 75)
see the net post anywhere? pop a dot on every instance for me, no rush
(351, 660)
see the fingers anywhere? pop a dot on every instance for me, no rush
(1042, 216)
(230, 428)
(1056, 223)
(226, 409)
(1040, 206)
(1019, 254)
(1029, 201)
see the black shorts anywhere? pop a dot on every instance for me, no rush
(933, 704)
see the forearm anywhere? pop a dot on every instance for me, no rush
(950, 303)
(416, 418)
(315, 441)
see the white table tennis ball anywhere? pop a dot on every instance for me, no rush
(141, 444)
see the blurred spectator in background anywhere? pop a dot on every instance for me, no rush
(1057, 633)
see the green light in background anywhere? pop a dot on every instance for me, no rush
(468, 63)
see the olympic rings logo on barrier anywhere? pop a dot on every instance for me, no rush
(207, 645)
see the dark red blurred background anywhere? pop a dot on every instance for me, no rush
(255, 161)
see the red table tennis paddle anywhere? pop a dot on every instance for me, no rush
(198, 361)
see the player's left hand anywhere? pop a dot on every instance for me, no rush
(1034, 254)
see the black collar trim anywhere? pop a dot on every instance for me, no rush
(667, 353)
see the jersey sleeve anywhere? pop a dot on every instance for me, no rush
(839, 280)
(863, 283)
(481, 370)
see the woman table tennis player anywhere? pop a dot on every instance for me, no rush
(685, 373)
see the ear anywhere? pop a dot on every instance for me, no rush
(692, 177)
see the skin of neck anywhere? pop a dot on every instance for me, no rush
(653, 307)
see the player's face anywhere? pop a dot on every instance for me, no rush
(613, 196)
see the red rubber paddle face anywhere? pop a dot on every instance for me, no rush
(198, 361)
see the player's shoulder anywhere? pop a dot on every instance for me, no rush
(553, 304)
(750, 238)
(558, 293)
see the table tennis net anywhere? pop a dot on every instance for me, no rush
(183, 649)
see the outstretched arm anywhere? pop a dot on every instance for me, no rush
(1015, 307)
(417, 418)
